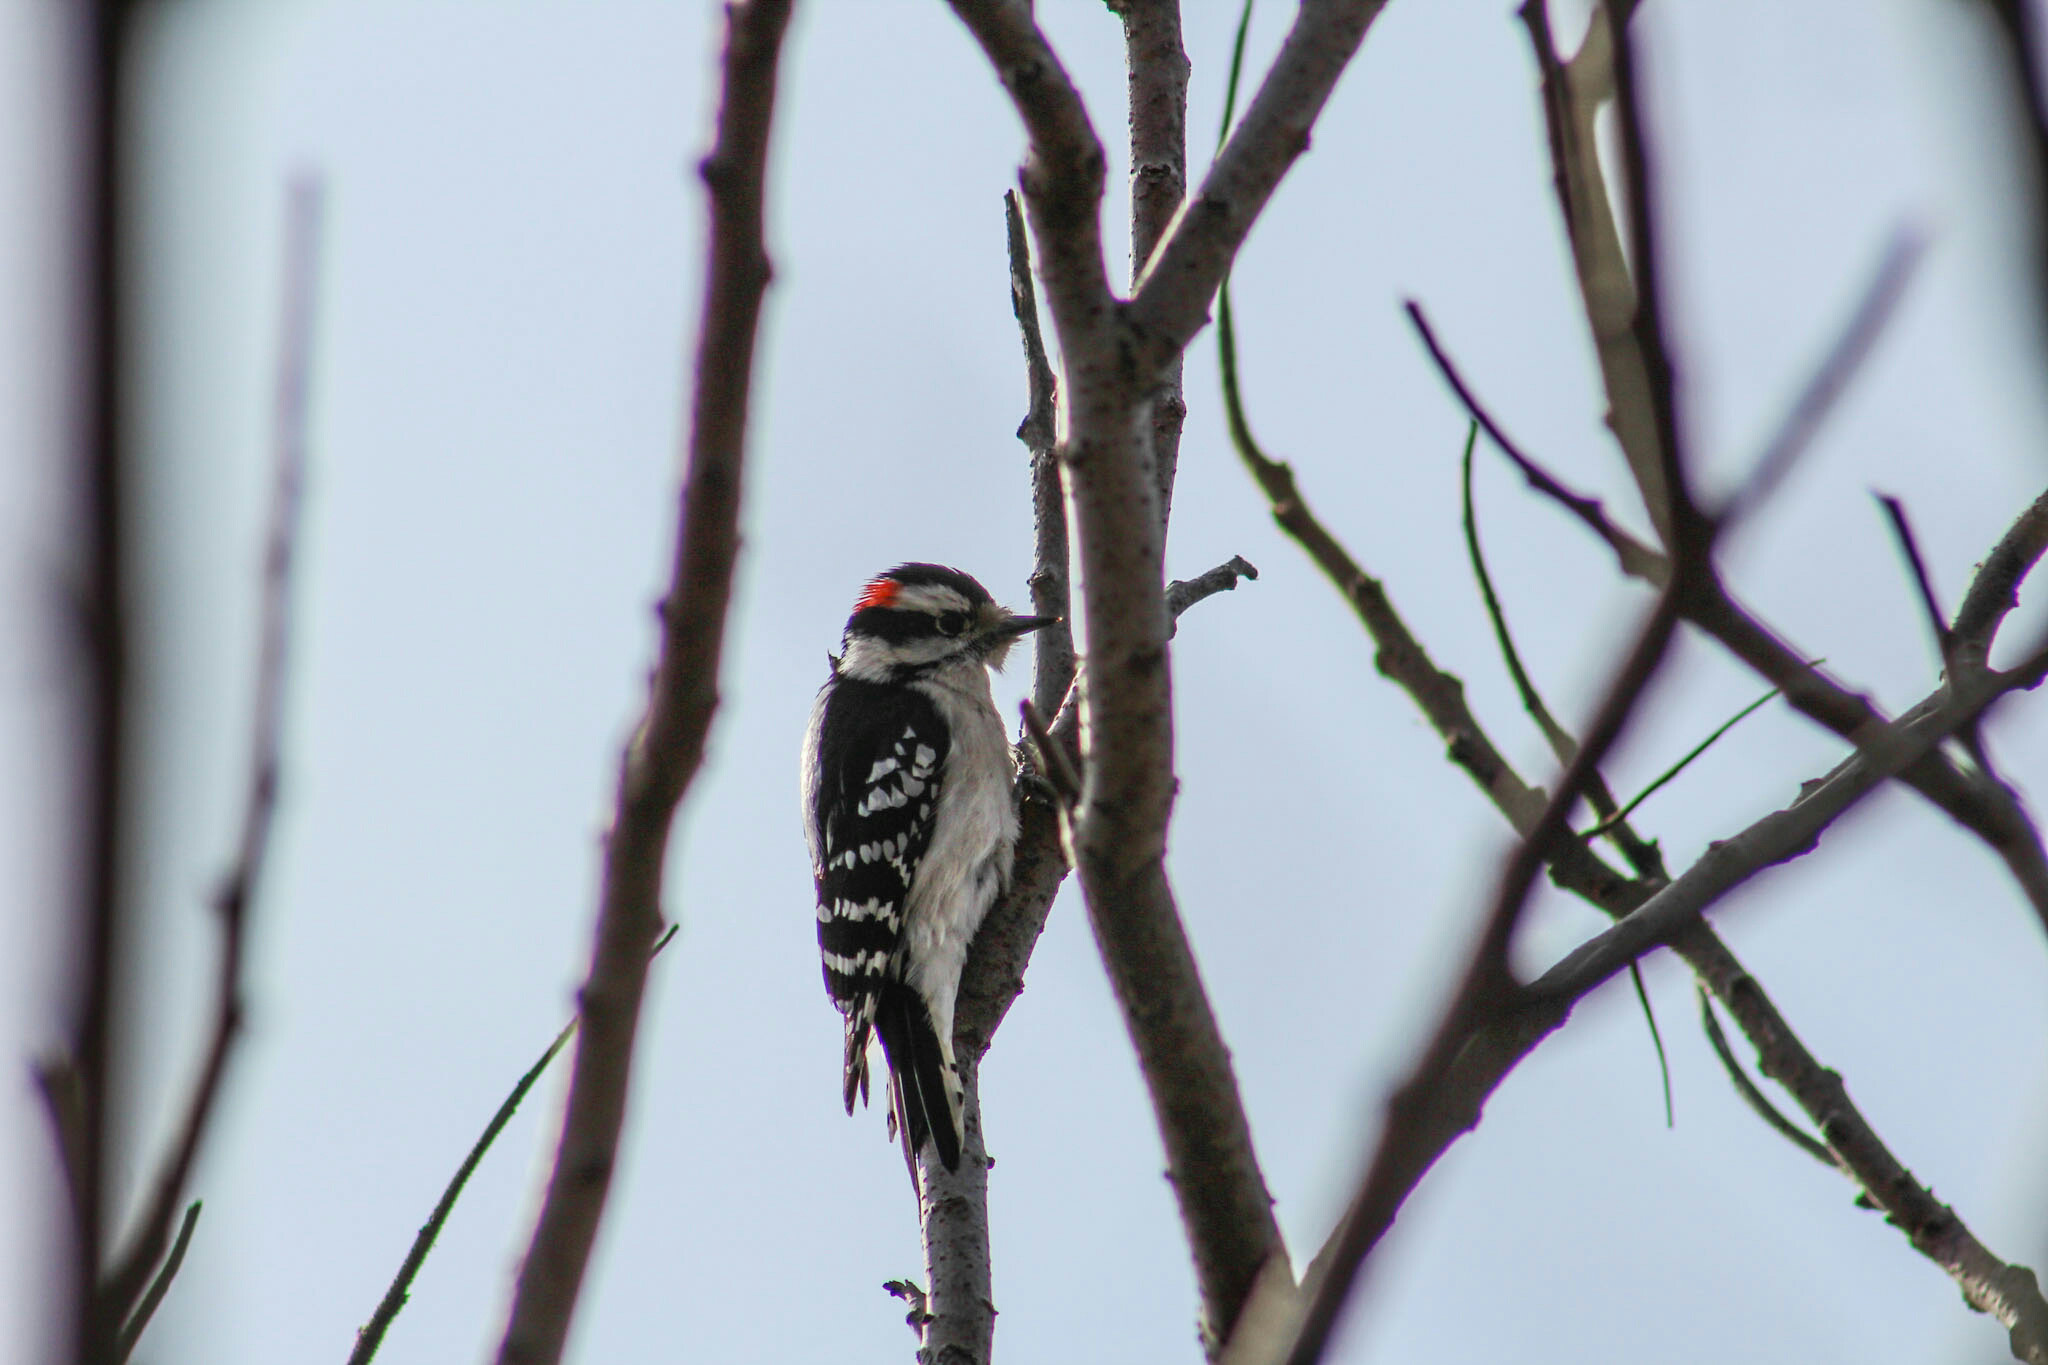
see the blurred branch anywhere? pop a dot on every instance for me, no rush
(1687, 532)
(2019, 25)
(104, 732)
(1488, 998)
(1273, 1319)
(1832, 377)
(667, 749)
(1573, 92)
(130, 1272)
(1641, 398)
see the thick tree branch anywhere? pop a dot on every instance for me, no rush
(126, 1279)
(666, 751)
(1063, 171)
(1171, 302)
(1117, 833)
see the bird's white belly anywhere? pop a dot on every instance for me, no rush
(968, 862)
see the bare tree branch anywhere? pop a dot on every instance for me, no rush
(2019, 24)
(1636, 559)
(1980, 804)
(1488, 996)
(1183, 593)
(1156, 66)
(126, 1279)
(1832, 377)
(1170, 302)
(1995, 590)
(1117, 832)
(666, 751)
(1930, 604)
(1272, 1320)
(104, 731)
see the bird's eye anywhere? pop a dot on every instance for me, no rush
(952, 622)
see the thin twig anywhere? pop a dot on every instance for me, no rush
(1675, 769)
(1244, 29)
(2019, 25)
(1758, 1102)
(1642, 854)
(1635, 976)
(1636, 559)
(236, 897)
(153, 1297)
(371, 1336)
(1930, 605)
(1183, 593)
(1053, 758)
(667, 749)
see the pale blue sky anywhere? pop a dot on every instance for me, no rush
(513, 261)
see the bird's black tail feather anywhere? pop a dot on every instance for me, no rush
(917, 1067)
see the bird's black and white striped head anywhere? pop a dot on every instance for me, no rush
(918, 619)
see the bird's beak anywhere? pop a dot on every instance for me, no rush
(1022, 625)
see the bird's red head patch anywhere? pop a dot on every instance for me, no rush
(880, 592)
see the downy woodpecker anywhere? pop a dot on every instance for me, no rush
(907, 777)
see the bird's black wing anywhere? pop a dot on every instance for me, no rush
(881, 751)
